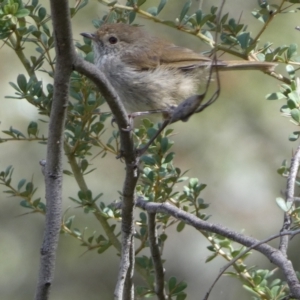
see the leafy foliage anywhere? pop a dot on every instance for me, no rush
(24, 24)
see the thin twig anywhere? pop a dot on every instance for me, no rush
(97, 213)
(234, 260)
(200, 4)
(271, 17)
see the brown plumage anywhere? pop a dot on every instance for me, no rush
(150, 73)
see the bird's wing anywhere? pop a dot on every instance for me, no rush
(150, 56)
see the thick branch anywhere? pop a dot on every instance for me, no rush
(53, 171)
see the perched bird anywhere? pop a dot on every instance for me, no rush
(149, 73)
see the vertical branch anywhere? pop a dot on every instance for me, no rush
(124, 286)
(156, 258)
(290, 193)
(53, 170)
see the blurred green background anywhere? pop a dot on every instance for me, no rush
(235, 147)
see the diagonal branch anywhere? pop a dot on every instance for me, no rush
(274, 255)
(235, 259)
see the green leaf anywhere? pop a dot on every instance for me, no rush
(143, 217)
(142, 261)
(29, 187)
(243, 39)
(14, 86)
(294, 137)
(161, 5)
(47, 31)
(249, 289)
(164, 144)
(42, 13)
(211, 257)
(169, 158)
(131, 16)
(180, 287)
(291, 51)
(32, 128)
(148, 160)
(9, 170)
(21, 183)
(283, 204)
(21, 13)
(84, 165)
(275, 96)
(76, 232)
(36, 202)
(290, 69)
(22, 83)
(224, 18)
(193, 182)
(140, 2)
(152, 11)
(35, 3)
(108, 212)
(69, 221)
(25, 204)
(163, 237)
(172, 283)
(103, 248)
(184, 10)
(180, 226)
(181, 296)
(294, 96)
(69, 173)
(295, 114)
(16, 132)
(199, 16)
(83, 4)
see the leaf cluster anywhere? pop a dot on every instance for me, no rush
(22, 25)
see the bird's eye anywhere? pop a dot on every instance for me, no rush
(113, 40)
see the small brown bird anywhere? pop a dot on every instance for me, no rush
(150, 73)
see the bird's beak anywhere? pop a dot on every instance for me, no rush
(88, 35)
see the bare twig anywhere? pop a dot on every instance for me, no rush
(290, 192)
(53, 172)
(156, 257)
